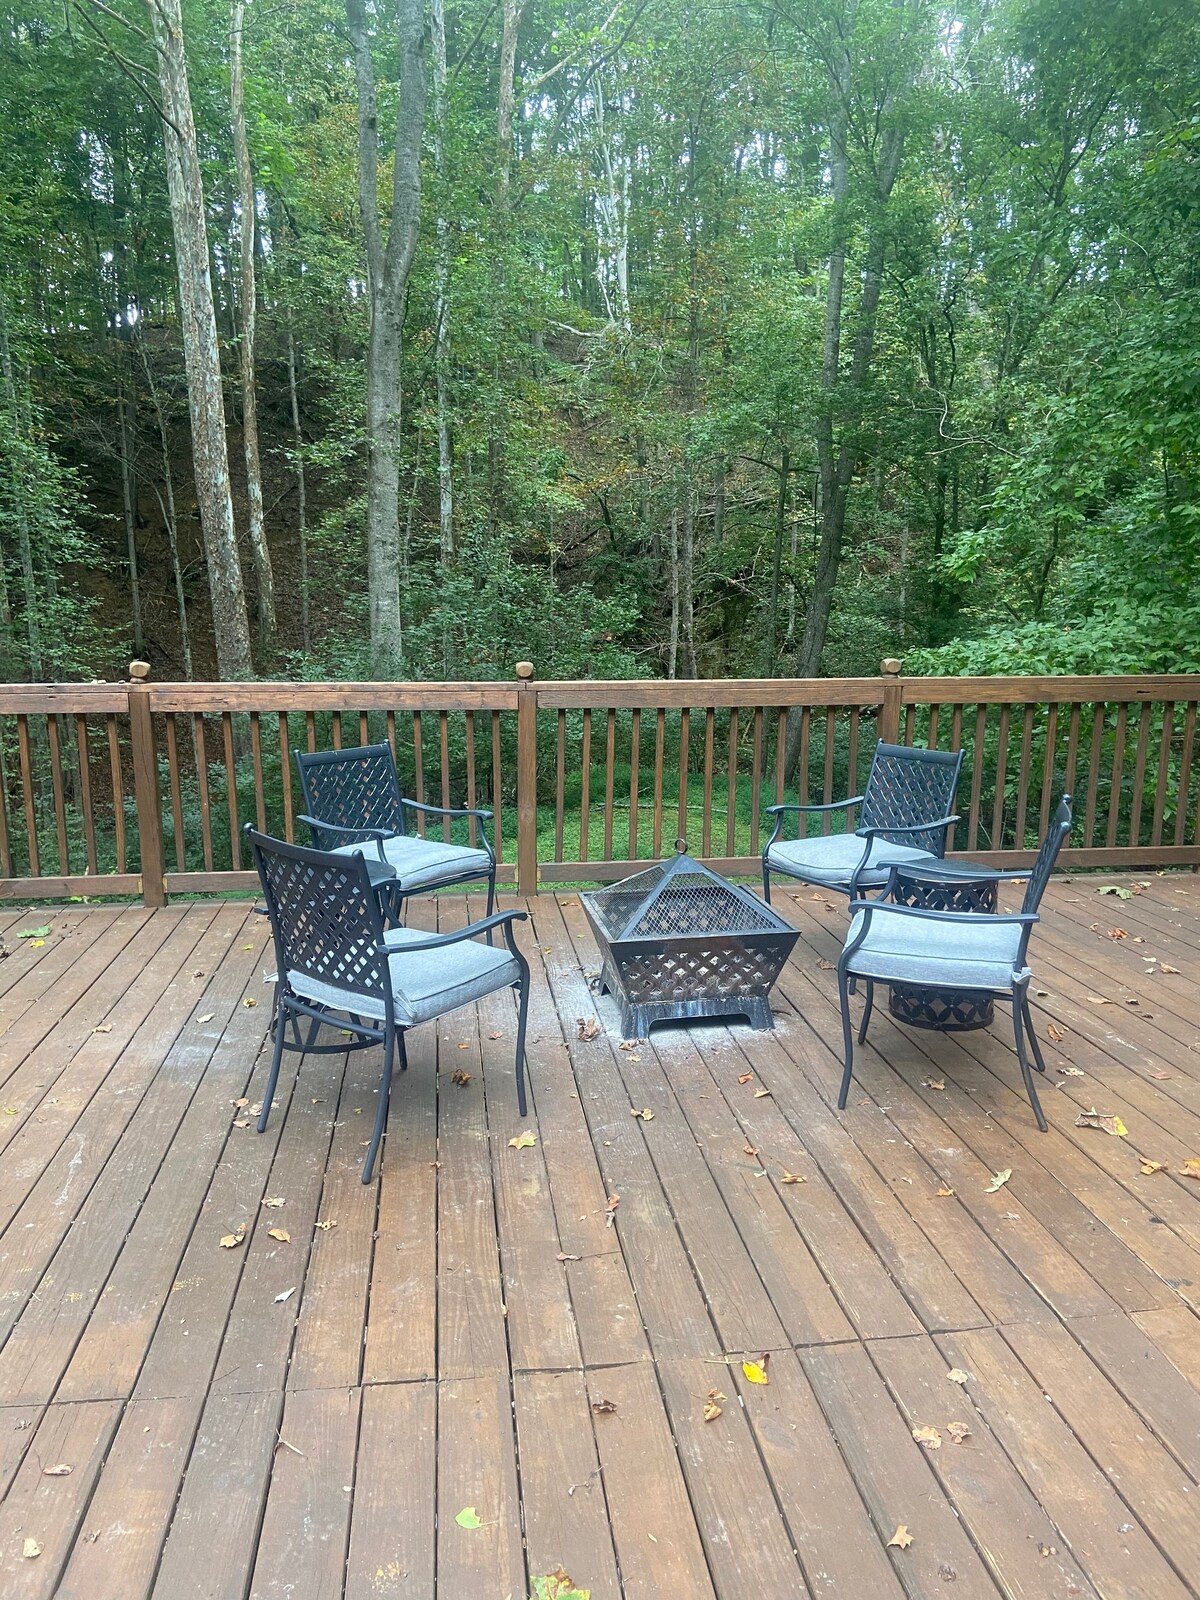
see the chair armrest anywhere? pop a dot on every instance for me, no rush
(971, 917)
(834, 805)
(438, 941)
(910, 827)
(337, 827)
(937, 871)
(448, 811)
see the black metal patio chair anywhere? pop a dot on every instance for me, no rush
(976, 951)
(337, 965)
(352, 800)
(904, 817)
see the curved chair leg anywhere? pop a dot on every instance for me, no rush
(491, 900)
(766, 881)
(1026, 1074)
(401, 1051)
(867, 1009)
(847, 1038)
(273, 1075)
(381, 1111)
(522, 1019)
(1039, 1060)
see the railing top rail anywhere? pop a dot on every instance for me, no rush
(1033, 690)
(29, 699)
(693, 693)
(334, 696)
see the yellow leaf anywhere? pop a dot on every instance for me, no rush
(791, 1177)
(999, 1181)
(230, 1241)
(523, 1141)
(901, 1538)
(1190, 1168)
(248, 1003)
(957, 1375)
(35, 944)
(31, 1547)
(1149, 1167)
(756, 1371)
(281, 1234)
(944, 1193)
(928, 1438)
(1108, 1124)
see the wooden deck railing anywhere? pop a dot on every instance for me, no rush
(141, 788)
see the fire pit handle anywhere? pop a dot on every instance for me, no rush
(681, 847)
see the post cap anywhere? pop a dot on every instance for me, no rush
(891, 666)
(524, 669)
(139, 670)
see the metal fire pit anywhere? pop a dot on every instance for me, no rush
(677, 941)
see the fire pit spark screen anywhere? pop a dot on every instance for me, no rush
(678, 941)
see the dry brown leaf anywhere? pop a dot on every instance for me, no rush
(1150, 1167)
(1054, 1033)
(1165, 966)
(761, 1094)
(1108, 1123)
(241, 1122)
(325, 1226)
(791, 1177)
(1098, 1000)
(603, 1408)
(495, 1036)
(587, 1028)
(1190, 1168)
(630, 1044)
(523, 1141)
(1162, 1077)
(944, 1193)
(562, 1256)
(62, 1470)
(230, 1241)
(935, 1083)
(745, 1077)
(614, 1200)
(928, 1438)
(1117, 933)
(645, 1114)
(825, 966)
(243, 1102)
(281, 1234)
(274, 1201)
(711, 1411)
(103, 1027)
(901, 1538)
(958, 1431)
(957, 1375)
(461, 1078)
(748, 1149)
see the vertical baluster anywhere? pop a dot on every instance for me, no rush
(827, 788)
(909, 713)
(978, 757)
(610, 755)
(1096, 749)
(472, 825)
(444, 756)
(497, 787)
(85, 791)
(285, 773)
(1185, 772)
(260, 787)
(585, 794)
(956, 722)
(682, 828)
(706, 825)
(335, 729)
(201, 749)
(1116, 782)
(1139, 774)
(176, 792)
(26, 764)
(997, 839)
(635, 736)
(1049, 764)
(1072, 749)
(560, 781)
(6, 866)
(364, 728)
(418, 771)
(310, 730)
(235, 850)
(934, 713)
(731, 786)
(660, 739)
(781, 723)
(756, 759)
(58, 791)
(1166, 739)
(802, 774)
(1023, 771)
(852, 758)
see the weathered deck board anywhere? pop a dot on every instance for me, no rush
(452, 1332)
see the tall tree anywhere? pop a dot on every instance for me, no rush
(389, 262)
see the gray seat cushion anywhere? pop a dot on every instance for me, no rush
(425, 983)
(980, 952)
(418, 863)
(829, 860)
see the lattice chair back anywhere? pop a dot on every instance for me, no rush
(907, 786)
(324, 916)
(353, 789)
(1056, 837)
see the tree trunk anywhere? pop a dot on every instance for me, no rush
(263, 572)
(687, 586)
(442, 296)
(673, 639)
(125, 431)
(200, 351)
(781, 502)
(170, 516)
(301, 498)
(388, 267)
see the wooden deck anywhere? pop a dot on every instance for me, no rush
(533, 1333)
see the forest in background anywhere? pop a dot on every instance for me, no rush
(637, 338)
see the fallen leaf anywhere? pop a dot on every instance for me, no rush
(461, 1078)
(999, 1181)
(587, 1030)
(1150, 1167)
(248, 947)
(62, 1470)
(1162, 1077)
(281, 1234)
(103, 1027)
(467, 1518)
(1109, 1124)
(935, 1083)
(562, 1256)
(1071, 1072)
(1054, 1033)
(325, 1226)
(34, 933)
(630, 1044)
(756, 1371)
(957, 1375)
(286, 1295)
(791, 1177)
(928, 1438)
(711, 1411)
(31, 1548)
(761, 1094)
(1112, 888)
(249, 1003)
(944, 1193)
(745, 1077)
(645, 1113)
(604, 1408)
(36, 944)
(614, 1200)
(825, 966)
(958, 1431)
(1117, 933)
(230, 1241)
(557, 1585)
(523, 1141)
(274, 1200)
(1190, 1168)
(11, 1111)
(241, 1122)
(749, 1150)
(901, 1538)
(464, 1044)
(1098, 1000)
(495, 1036)
(1165, 966)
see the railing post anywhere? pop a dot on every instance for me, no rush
(527, 861)
(893, 695)
(147, 797)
